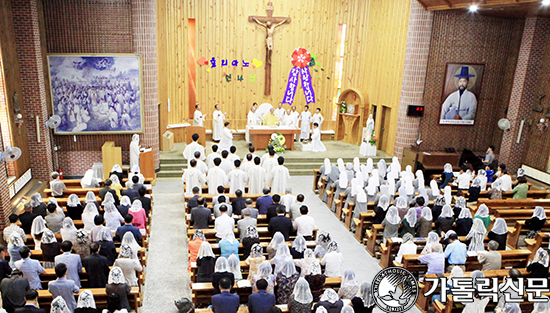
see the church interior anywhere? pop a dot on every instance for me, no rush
(346, 103)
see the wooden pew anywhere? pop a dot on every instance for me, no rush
(361, 224)
(348, 213)
(373, 233)
(261, 220)
(84, 191)
(264, 233)
(316, 177)
(135, 298)
(494, 204)
(76, 182)
(330, 195)
(541, 240)
(244, 309)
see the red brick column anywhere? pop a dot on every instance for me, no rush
(414, 75)
(29, 52)
(145, 43)
(525, 90)
(5, 201)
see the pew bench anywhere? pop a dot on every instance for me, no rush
(263, 232)
(84, 191)
(135, 298)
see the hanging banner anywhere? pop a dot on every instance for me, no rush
(300, 59)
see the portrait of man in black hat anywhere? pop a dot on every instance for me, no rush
(460, 104)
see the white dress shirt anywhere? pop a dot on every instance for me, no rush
(304, 225)
(223, 224)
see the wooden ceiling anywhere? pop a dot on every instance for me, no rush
(500, 8)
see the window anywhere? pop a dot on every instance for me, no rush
(339, 67)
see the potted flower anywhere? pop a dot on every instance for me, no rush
(343, 107)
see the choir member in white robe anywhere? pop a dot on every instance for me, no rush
(257, 178)
(190, 149)
(198, 117)
(233, 156)
(318, 146)
(214, 154)
(280, 112)
(270, 162)
(279, 177)
(217, 124)
(227, 138)
(201, 166)
(267, 155)
(305, 117)
(288, 199)
(237, 178)
(216, 177)
(252, 117)
(134, 151)
(192, 177)
(247, 162)
(318, 117)
(226, 165)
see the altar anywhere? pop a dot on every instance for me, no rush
(259, 136)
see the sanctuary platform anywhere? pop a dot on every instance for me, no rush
(298, 162)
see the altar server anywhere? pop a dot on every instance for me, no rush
(190, 149)
(257, 177)
(192, 177)
(217, 124)
(227, 138)
(305, 117)
(237, 178)
(279, 177)
(198, 117)
(216, 177)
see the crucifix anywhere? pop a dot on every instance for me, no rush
(269, 22)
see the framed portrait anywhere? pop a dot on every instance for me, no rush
(97, 93)
(461, 90)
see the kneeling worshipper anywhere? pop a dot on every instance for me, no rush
(89, 181)
(318, 146)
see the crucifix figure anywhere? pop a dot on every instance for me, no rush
(270, 23)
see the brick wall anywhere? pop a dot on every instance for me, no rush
(530, 80)
(414, 75)
(467, 38)
(92, 26)
(33, 83)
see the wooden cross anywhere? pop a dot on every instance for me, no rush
(270, 23)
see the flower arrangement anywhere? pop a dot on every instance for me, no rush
(277, 141)
(343, 107)
(373, 139)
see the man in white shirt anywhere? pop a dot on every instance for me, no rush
(505, 181)
(192, 177)
(56, 185)
(294, 210)
(189, 151)
(14, 228)
(305, 117)
(198, 117)
(224, 223)
(279, 177)
(226, 165)
(237, 178)
(201, 166)
(463, 179)
(257, 177)
(280, 112)
(210, 158)
(288, 199)
(305, 224)
(216, 177)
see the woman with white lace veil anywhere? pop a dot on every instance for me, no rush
(299, 245)
(381, 209)
(264, 272)
(476, 236)
(322, 242)
(37, 229)
(68, 230)
(536, 222)
(283, 254)
(425, 222)
(140, 218)
(58, 209)
(482, 175)
(15, 242)
(349, 285)
(408, 246)
(464, 222)
(499, 233)
(361, 199)
(90, 212)
(113, 218)
(89, 181)
(409, 223)
(116, 184)
(286, 280)
(116, 284)
(542, 307)
(363, 302)
(333, 260)
(128, 264)
(433, 237)
(205, 263)
(74, 207)
(117, 171)
(91, 198)
(445, 221)
(59, 306)
(254, 260)
(134, 171)
(109, 199)
(391, 223)
(221, 270)
(330, 301)
(341, 184)
(271, 249)
(538, 268)
(129, 240)
(235, 267)
(50, 248)
(447, 195)
(482, 213)
(125, 204)
(86, 302)
(305, 262)
(402, 203)
(495, 192)
(38, 205)
(434, 189)
(301, 299)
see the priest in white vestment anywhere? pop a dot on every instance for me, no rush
(227, 138)
(201, 166)
(198, 117)
(210, 158)
(317, 145)
(134, 151)
(192, 177)
(318, 117)
(279, 177)
(257, 178)
(216, 177)
(252, 117)
(292, 118)
(305, 117)
(280, 112)
(190, 149)
(237, 178)
(217, 124)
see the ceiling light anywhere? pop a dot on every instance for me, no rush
(545, 2)
(474, 7)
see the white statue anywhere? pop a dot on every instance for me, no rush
(370, 127)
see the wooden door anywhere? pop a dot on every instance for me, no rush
(385, 121)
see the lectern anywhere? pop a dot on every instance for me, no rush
(147, 163)
(111, 155)
(200, 130)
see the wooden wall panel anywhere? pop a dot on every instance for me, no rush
(375, 50)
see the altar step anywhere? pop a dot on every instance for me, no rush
(171, 167)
